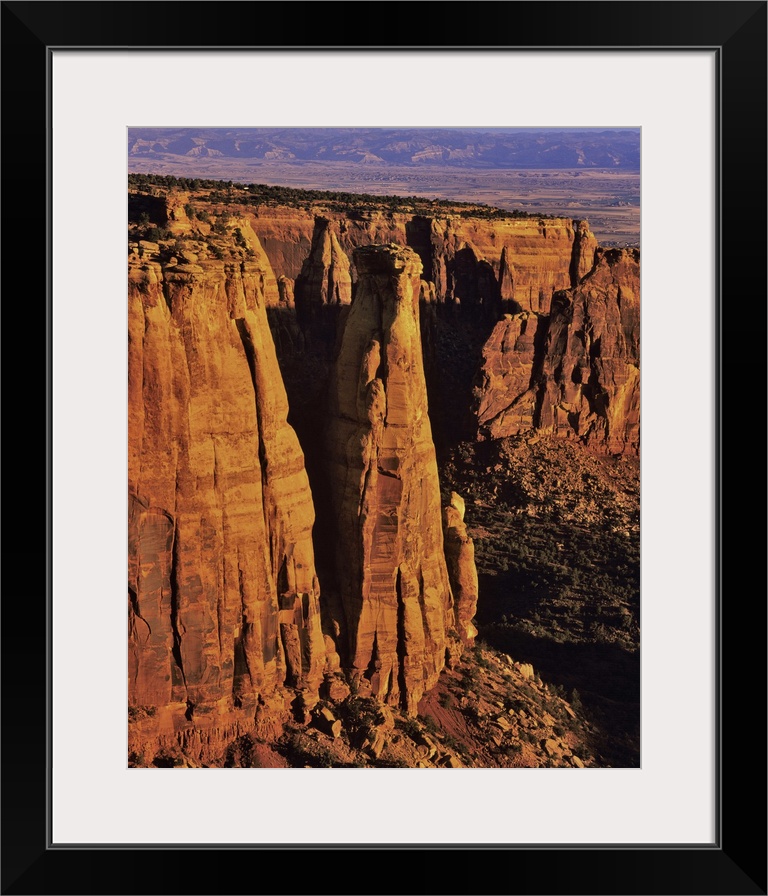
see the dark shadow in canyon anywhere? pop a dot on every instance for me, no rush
(605, 677)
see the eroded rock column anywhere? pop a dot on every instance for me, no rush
(324, 284)
(391, 570)
(460, 554)
(223, 597)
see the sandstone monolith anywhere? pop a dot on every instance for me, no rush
(391, 570)
(223, 597)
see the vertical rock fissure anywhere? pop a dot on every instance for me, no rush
(176, 649)
(250, 356)
(165, 287)
(372, 667)
(382, 371)
(401, 641)
(220, 597)
(244, 623)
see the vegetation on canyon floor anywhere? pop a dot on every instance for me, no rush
(557, 547)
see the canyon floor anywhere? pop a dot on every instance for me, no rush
(557, 546)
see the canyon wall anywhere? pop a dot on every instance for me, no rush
(574, 373)
(466, 258)
(466, 262)
(497, 275)
(223, 597)
(344, 322)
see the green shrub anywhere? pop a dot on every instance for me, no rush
(430, 724)
(410, 727)
(575, 701)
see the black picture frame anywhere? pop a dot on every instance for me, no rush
(736, 863)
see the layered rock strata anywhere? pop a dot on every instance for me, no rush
(591, 368)
(574, 373)
(521, 262)
(505, 393)
(472, 261)
(323, 287)
(395, 596)
(223, 597)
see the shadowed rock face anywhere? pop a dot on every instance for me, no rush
(507, 282)
(575, 373)
(223, 597)
(323, 288)
(519, 263)
(324, 277)
(396, 604)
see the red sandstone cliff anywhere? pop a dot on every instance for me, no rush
(575, 373)
(224, 601)
(480, 262)
(397, 610)
(223, 598)
(505, 394)
(473, 261)
(592, 361)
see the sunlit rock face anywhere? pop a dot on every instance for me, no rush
(504, 396)
(575, 372)
(223, 598)
(591, 369)
(462, 572)
(396, 603)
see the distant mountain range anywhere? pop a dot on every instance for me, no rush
(413, 147)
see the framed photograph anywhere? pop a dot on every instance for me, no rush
(688, 78)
